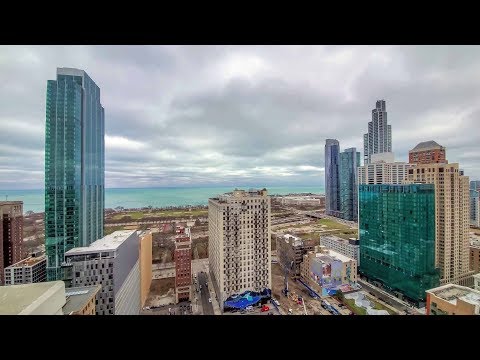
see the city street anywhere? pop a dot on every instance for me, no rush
(205, 294)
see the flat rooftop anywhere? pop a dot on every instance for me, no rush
(30, 261)
(336, 238)
(330, 255)
(452, 292)
(16, 298)
(107, 243)
(78, 297)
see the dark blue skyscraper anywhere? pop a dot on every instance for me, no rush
(349, 161)
(332, 189)
(74, 166)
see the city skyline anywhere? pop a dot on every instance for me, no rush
(210, 115)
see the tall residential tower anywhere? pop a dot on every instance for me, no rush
(74, 166)
(349, 161)
(379, 136)
(11, 234)
(332, 185)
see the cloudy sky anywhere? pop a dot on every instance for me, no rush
(241, 115)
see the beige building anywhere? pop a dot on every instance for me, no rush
(452, 217)
(453, 299)
(476, 282)
(327, 268)
(145, 266)
(81, 300)
(475, 256)
(239, 242)
(383, 169)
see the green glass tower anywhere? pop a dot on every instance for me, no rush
(74, 166)
(397, 237)
(349, 161)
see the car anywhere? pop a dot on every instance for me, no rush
(275, 301)
(249, 308)
(265, 308)
(290, 311)
(209, 300)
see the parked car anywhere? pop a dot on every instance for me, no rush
(209, 300)
(249, 308)
(265, 308)
(276, 302)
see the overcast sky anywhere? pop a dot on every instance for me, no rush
(241, 115)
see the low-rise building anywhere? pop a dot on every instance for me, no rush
(452, 299)
(328, 270)
(112, 262)
(80, 300)
(290, 251)
(349, 248)
(46, 298)
(183, 264)
(27, 271)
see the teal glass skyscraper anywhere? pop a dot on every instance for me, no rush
(397, 237)
(349, 161)
(74, 166)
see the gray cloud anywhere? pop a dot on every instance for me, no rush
(241, 115)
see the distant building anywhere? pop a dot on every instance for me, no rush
(378, 139)
(427, 152)
(383, 170)
(474, 251)
(332, 180)
(30, 270)
(112, 262)
(476, 282)
(350, 248)
(398, 247)
(239, 243)
(475, 185)
(11, 234)
(290, 251)
(474, 208)
(183, 264)
(328, 270)
(349, 161)
(74, 166)
(145, 265)
(46, 298)
(303, 200)
(80, 300)
(452, 211)
(453, 299)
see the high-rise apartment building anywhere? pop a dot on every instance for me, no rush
(74, 166)
(183, 264)
(474, 208)
(475, 185)
(427, 152)
(378, 139)
(383, 170)
(332, 180)
(397, 237)
(239, 242)
(27, 271)
(112, 262)
(11, 234)
(349, 161)
(452, 218)
(474, 251)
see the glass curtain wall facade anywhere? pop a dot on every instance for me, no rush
(348, 180)
(378, 139)
(332, 186)
(74, 166)
(397, 237)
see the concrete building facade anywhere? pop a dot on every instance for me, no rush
(452, 299)
(239, 242)
(332, 179)
(290, 251)
(427, 152)
(183, 264)
(349, 161)
(349, 248)
(145, 265)
(452, 219)
(383, 169)
(11, 234)
(378, 139)
(112, 262)
(476, 282)
(474, 208)
(27, 271)
(474, 256)
(80, 300)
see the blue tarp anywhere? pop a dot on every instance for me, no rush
(248, 298)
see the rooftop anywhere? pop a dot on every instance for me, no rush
(427, 145)
(11, 203)
(109, 242)
(330, 255)
(30, 261)
(15, 299)
(78, 297)
(452, 292)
